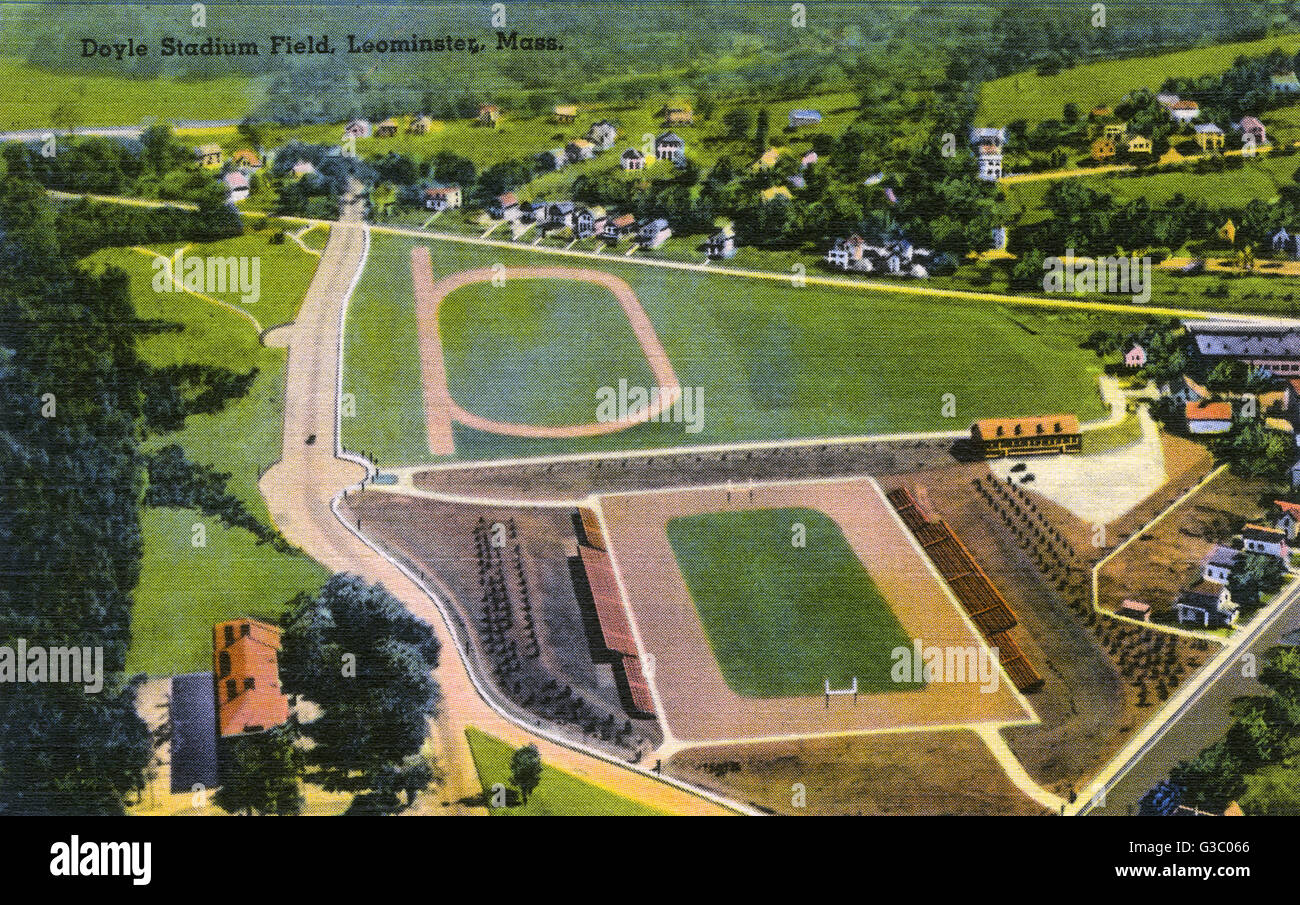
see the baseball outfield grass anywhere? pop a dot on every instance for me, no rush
(770, 361)
(537, 351)
(783, 618)
(559, 794)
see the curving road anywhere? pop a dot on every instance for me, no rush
(300, 491)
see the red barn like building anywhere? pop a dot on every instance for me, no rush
(245, 668)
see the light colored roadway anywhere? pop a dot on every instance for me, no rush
(299, 491)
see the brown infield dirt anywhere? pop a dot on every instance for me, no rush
(698, 706)
(440, 409)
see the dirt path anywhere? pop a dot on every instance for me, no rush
(440, 408)
(299, 491)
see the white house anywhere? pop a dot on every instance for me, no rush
(559, 214)
(670, 146)
(1208, 603)
(1263, 539)
(357, 128)
(632, 159)
(1184, 111)
(504, 207)
(442, 197)
(589, 221)
(800, 118)
(989, 157)
(653, 233)
(603, 135)
(1135, 356)
(1218, 565)
(721, 244)
(237, 184)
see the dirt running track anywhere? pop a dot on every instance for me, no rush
(298, 492)
(440, 408)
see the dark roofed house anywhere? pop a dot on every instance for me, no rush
(632, 159)
(532, 211)
(800, 118)
(1271, 347)
(589, 221)
(1208, 603)
(721, 244)
(1218, 565)
(653, 233)
(559, 214)
(670, 146)
(193, 718)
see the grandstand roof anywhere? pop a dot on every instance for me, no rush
(614, 625)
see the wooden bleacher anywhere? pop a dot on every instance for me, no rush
(976, 591)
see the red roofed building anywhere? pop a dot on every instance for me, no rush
(245, 666)
(615, 629)
(1205, 417)
(1289, 520)
(994, 437)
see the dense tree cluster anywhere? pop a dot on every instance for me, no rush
(70, 541)
(357, 654)
(1264, 738)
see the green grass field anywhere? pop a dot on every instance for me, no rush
(772, 361)
(32, 94)
(782, 618)
(559, 794)
(1259, 178)
(1034, 98)
(184, 589)
(537, 351)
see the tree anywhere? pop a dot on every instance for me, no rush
(366, 662)
(526, 770)
(737, 122)
(1253, 575)
(760, 131)
(261, 773)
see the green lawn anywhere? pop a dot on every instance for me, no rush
(183, 589)
(771, 361)
(1034, 98)
(537, 351)
(559, 794)
(101, 99)
(782, 618)
(1113, 436)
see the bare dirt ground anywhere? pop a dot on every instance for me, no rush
(697, 705)
(1088, 704)
(536, 644)
(897, 774)
(440, 408)
(1167, 558)
(576, 479)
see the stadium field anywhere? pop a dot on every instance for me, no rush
(783, 618)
